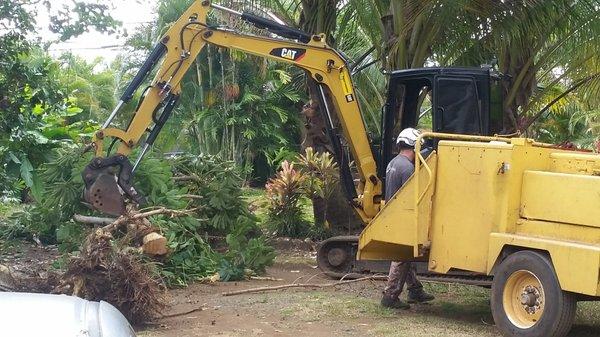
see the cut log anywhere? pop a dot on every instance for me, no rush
(155, 244)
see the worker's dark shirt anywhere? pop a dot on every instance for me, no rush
(396, 174)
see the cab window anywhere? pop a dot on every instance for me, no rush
(458, 106)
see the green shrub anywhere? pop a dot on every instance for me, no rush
(218, 184)
(191, 258)
(316, 179)
(61, 187)
(9, 230)
(321, 178)
(284, 192)
(247, 252)
(214, 191)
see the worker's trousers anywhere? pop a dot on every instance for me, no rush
(401, 273)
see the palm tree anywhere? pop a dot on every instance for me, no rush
(530, 39)
(539, 42)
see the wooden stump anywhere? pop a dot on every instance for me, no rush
(155, 244)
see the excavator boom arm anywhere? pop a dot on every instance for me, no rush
(178, 48)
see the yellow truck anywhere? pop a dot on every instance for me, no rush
(509, 213)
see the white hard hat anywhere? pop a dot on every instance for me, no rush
(408, 136)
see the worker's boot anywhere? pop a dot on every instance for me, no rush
(419, 296)
(394, 303)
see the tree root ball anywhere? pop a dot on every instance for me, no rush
(104, 271)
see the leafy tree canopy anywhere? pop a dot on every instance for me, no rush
(36, 113)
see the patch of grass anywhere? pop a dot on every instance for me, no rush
(458, 311)
(307, 210)
(257, 202)
(353, 307)
(587, 320)
(411, 325)
(287, 312)
(460, 300)
(10, 246)
(318, 305)
(292, 260)
(588, 312)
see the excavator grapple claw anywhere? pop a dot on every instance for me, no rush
(108, 184)
(104, 195)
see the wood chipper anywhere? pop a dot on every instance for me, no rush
(520, 211)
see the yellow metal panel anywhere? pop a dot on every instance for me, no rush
(392, 234)
(575, 162)
(561, 197)
(471, 186)
(425, 206)
(577, 265)
(524, 157)
(558, 231)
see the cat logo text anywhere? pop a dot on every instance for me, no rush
(293, 54)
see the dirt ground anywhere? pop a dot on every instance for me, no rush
(347, 310)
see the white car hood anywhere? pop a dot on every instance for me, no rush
(33, 315)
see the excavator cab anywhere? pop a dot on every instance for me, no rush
(459, 101)
(464, 101)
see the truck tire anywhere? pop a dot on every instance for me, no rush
(527, 300)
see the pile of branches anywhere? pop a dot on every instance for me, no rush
(118, 271)
(113, 266)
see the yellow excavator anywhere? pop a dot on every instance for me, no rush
(512, 214)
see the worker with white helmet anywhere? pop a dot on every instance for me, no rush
(397, 173)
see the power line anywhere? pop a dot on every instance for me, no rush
(90, 48)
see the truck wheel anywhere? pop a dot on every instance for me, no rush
(527, 300)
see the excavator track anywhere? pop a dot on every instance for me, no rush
(336, 257)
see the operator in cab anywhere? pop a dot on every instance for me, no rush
(397, 174)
